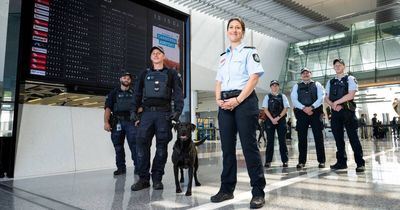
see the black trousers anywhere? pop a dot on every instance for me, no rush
(270, 130)
(153, 123)
(346, 119)
(303, 122)
(242, 119)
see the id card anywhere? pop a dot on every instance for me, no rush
(119, 127)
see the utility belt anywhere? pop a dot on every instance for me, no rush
(349, 105)
(230, 94)
(123, 117)
(115, 119)
(157, 108)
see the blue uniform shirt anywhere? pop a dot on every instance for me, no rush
(236, 66)
(350, 80)
(317, 103)
(284, 98)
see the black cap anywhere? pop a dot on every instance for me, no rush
(273, 82)
(158, 48)
(125, 73)
(338, 60)
(305, 69)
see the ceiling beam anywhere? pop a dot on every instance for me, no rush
(352, 15)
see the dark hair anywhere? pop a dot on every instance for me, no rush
(239, 20)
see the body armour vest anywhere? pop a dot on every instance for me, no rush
(124, 101)
(275, 104)
(156, 85)
(307, 93)
(338, 88)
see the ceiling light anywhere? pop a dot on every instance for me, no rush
(80, 99)
(33, 100)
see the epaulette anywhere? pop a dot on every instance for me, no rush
(222, 54)
(249, 47)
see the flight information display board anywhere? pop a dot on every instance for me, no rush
(90, 42)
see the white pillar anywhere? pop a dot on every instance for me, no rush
(194, 106)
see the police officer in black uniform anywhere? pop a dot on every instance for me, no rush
(340, 92)
(117, 120)
(275, 106)
(307, 98)
(155, 90)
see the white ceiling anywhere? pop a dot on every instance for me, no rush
(292, 20)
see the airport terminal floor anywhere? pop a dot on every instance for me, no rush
(287, 188)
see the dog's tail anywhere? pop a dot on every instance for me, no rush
(198, 143)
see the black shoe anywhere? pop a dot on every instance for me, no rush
(300, 166)
(140, 185)
(285, 165)
(338, 166)
(267, 165)
(360, 169)
(119, 172)
(321, 165)
(221, 196)
(158, 185)
(257, 202)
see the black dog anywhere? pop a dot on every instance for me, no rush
(184, 155)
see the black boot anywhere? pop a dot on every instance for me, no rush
(257, 202)
(140, 185)
(119, 172)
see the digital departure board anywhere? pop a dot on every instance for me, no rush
(90, 42)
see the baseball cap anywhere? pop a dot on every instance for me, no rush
(125, 73)
(158, 48)
(338, 60)
(274, 82)
(305, 69)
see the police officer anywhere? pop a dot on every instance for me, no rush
(340, 93)
(275, 106)
(307, 98)
(117, 120)
(155, 90)
(237, 76)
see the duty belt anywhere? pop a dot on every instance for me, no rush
(230, 94)
(157, 108)
(122, 117)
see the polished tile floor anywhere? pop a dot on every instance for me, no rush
(287, 188)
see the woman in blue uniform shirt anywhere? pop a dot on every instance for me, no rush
(237, 76)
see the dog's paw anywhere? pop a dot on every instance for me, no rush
(188, 193)
(178, 190)
(198, 184)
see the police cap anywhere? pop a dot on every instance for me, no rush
(338, 60)
(274, 82)
(158, 48)
(305, 69)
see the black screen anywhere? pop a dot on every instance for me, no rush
(90, 42)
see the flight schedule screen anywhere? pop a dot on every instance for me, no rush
(90, 42)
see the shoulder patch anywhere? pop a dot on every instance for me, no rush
(222, 54)
(354, 79)
(256, 58)
(250, 47)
